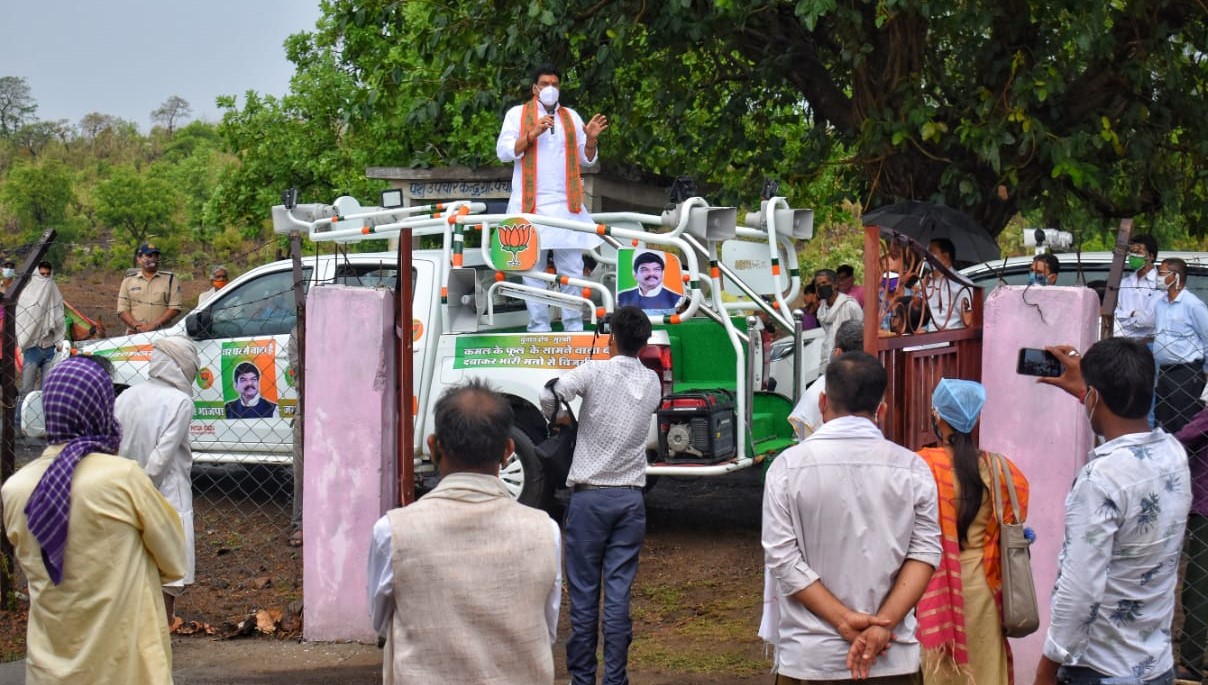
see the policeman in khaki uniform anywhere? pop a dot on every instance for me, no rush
(149, 298)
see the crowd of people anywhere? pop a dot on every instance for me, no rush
(882, 564)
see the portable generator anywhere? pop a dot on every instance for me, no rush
(697, 427)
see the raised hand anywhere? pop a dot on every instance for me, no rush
(597, 125)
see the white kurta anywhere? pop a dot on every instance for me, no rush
(155, 419)
(551, 178)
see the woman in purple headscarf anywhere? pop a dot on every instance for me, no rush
(95, 540)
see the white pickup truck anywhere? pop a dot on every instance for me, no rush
(470, 320)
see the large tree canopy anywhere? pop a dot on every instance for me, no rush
(1063, 107)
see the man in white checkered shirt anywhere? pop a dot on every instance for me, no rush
(606, 519)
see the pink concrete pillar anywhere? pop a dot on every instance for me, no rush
(350, 471)
(1042, 429)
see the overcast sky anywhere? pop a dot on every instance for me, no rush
(125, 57)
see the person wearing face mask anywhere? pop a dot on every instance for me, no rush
(41, 328)
(960, 626)
(148, 298)
(1139, 290)
(1045, 268)
(7, 273)
(548, 143)
(218, 280)
(833, 309)
(1180, 341)
(1125, 517)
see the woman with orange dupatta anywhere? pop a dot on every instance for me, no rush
(960, 625)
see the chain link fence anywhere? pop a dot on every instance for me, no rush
(1179, 345)
(245, 396)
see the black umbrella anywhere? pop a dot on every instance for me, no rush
(925, 221)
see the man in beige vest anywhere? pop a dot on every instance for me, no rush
(465, 584)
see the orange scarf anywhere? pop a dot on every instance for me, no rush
(528, 164)
(941, 611)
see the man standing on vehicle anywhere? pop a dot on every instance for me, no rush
(1125, 517)
(148, 299)
(465, 584)
(606, 518)
(1139, 290)
(548, 143)
(833, 309)
(1180, 342)
(846, 578)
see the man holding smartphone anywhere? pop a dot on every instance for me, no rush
(1125, 517)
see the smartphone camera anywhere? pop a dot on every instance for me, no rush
(1037, 362)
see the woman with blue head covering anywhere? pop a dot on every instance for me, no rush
(959, 623)
(94, 539)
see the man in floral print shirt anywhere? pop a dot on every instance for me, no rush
(1125, 516)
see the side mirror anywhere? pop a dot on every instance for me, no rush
(197, 325)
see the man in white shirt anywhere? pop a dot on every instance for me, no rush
(606, 517)
(1125, 518)
(951, 303)
(218, 281)
(806, 417)
(466, 583)
(851, 536)
(1139, 290)
(548, 143)
(833, 309)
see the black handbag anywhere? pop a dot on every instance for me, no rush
(557, 451)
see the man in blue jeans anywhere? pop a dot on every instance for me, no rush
(606, 519)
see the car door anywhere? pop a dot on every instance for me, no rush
(246, 396)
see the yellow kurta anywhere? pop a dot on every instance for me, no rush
(105, 623)
(983, 627)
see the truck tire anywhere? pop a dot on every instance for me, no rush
(524, 476)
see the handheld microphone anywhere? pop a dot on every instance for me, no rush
(550, 111)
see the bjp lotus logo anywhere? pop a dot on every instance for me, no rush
(291, 376)
(517, 239)
(205, 378)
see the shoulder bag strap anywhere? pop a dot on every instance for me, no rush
(994, 466)
(1000, 463)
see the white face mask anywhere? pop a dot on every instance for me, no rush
(548, 96)
(8, 273)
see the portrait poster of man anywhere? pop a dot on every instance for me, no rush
(249, 379)
(649, 279)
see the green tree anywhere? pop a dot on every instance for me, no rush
(38, 195)
(992, 107)
(136, 204)
(303, 140)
